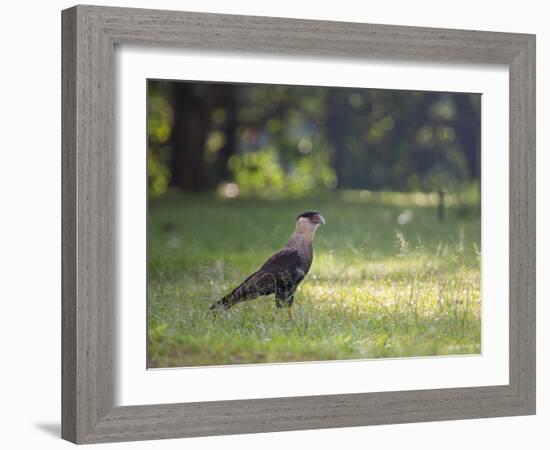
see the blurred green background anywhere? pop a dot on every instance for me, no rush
(397, 176)
(293, 141)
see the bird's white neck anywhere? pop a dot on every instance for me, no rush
(305, 230)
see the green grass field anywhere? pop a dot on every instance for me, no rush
(388, 280)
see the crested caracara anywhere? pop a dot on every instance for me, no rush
(282, 273)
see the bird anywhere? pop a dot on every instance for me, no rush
(283, 272)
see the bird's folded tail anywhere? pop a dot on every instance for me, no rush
(247, 290)
(222, 304)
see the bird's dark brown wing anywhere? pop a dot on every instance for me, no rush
(284, 260)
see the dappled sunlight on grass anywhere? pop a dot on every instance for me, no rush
(376, 288)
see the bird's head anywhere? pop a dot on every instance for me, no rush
(308, 222)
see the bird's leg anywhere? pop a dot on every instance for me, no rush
(285, 301)
(288, 303)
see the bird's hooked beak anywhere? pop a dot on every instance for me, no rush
(322, 220)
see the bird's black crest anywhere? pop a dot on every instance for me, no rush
(307, 214)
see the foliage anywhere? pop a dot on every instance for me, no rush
(292, 141)
(388, 279)
(159, 127)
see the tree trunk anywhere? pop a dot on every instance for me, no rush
(191, 121)
(229, 103)
(336, 131)
(468, 132)
(193, 105)
(441, 205)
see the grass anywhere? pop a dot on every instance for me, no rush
(388, 280)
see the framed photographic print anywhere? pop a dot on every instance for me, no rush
(278, 224)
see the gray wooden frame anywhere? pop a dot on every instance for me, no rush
(89, 36)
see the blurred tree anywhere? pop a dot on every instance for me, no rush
(337, 131)
(193, 105)
(467, 128)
